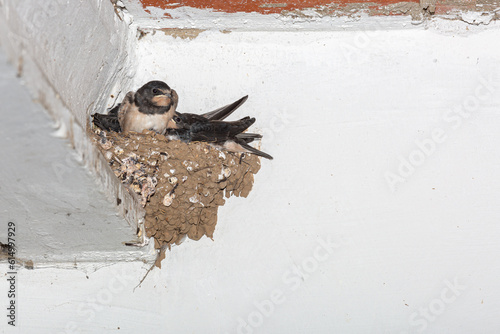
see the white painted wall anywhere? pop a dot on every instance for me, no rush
(323, 244)
(81, 47)
(59, 213)
(75, 57)
(338, 110)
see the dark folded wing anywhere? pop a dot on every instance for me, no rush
(219, 131)
(107, 122)
(248, 137)
(253, 150)
(223, 112)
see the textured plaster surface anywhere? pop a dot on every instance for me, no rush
(81, 48)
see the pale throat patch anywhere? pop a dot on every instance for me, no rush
(161, 100)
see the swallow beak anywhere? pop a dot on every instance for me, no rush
(163, 100)
(167, 94)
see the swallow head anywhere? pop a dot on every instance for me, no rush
(156, 97)
(176, 122)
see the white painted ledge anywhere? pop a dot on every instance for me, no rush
(72, 66)
(62, 218)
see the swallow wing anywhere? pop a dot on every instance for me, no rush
(219, 131)
(107, 122)
(240, 146)
(223, 112)
(248, 137)
(115, 109)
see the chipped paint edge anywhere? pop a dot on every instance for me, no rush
(356, 16)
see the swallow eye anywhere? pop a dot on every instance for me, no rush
(177, 119)
(156, 91)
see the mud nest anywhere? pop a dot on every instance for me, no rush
(181, 185)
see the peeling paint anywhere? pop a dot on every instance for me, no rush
(182, 33)
(428, 5)
(262, 15)
(354, 10)
(259, 6)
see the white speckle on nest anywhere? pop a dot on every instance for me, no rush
(109, 155)
(189, 165)
(168, 199)
(172, 180)
(118, 150)
(172, 171)
(148, 189)
(226, 171)
(222, 155)
(194, 199)
(184, 178)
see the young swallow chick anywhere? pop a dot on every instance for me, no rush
(150, 108)
(227, 135)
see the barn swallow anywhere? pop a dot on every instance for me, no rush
(150, 108)
(227, 135)
(109, 121)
